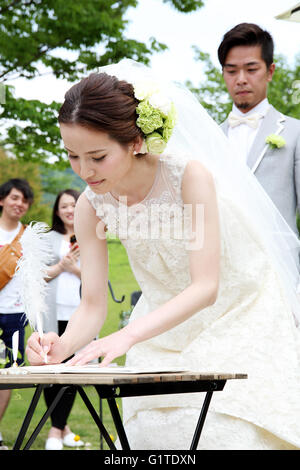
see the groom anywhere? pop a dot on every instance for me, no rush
(246, 56)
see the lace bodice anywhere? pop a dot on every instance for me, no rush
(152, 232)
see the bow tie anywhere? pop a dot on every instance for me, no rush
(252, 121)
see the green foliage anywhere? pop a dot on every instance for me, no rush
(282, 89)
(186, 6)
(212, 92)
(37, 32)
(33, 134)
(68, 39)
(54, 181)
(41, 32)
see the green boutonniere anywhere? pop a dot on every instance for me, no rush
(275, 141)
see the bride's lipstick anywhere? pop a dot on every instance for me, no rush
(94, 183)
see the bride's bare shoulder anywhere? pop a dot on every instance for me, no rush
(196, 174)
(196, 167)
(197, 183)
(85, 214)
(84, 207)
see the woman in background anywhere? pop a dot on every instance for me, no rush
(63, 298)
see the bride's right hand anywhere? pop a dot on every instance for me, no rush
(37, 348)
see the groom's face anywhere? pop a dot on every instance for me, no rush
(246, 76)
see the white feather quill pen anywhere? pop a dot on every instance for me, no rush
(15, 347)
(31, 270)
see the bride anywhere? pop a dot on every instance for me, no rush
(217, 264)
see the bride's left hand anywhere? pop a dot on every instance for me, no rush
(109, 348)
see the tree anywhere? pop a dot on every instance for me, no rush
(211, 92)
(53, 181)
(283, 91)
(69, 39)
(185, 6)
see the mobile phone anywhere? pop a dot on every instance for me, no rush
(73, 239)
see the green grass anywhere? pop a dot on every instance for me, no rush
(80, 421)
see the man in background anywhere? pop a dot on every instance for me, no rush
(266, 140)
(16, 196)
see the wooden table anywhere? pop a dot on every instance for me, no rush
(112, 386)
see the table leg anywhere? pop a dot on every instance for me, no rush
(101, 418)
(118, 423)
(28, 417)
(96, 418)
(45, 417)
(201, 420)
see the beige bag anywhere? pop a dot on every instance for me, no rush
(9, 256)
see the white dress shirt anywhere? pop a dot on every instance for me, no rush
(67, 294)
(242, 136)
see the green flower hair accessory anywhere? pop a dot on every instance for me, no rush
(149, 118)
(155, 143)
(156, 116)
(275, 141)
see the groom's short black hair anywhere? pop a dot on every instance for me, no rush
(247, 34)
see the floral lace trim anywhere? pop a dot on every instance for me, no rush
(171, 170)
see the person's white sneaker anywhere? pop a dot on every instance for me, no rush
(53, 443)
(71, 441)
(2, 446)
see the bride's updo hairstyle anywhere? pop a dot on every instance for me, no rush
(104, 103)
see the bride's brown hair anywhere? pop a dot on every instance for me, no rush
(102, 102)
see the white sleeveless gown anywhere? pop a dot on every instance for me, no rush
(249, 329)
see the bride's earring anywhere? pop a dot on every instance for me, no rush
(142, 149)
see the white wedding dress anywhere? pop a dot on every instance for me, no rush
(250, 329)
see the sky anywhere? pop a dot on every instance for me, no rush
(179, 31)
